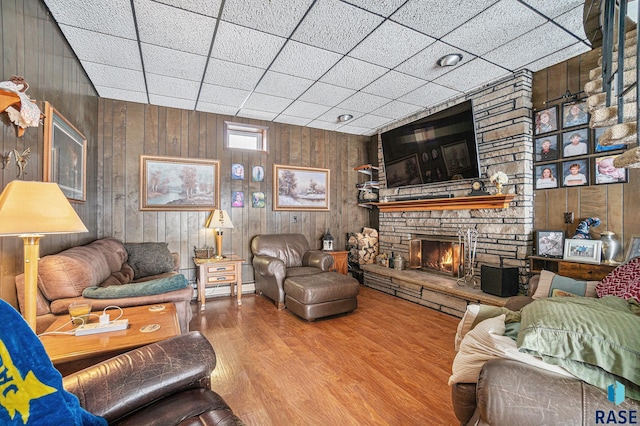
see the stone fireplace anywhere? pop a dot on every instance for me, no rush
(440, 254)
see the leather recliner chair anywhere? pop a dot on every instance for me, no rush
(164, 383)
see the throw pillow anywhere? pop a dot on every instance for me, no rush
(624, 281)
(147, 288)
(551, 285)
(148, 259)
(478, 313)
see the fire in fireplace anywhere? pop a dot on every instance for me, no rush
(439, 254)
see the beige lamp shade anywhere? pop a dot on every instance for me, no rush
(37, 208)
(218, 219)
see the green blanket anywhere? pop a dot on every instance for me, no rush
(595, 339)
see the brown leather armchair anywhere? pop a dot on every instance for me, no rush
(278, 256)
(165, 383)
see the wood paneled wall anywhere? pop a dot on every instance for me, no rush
(33, 47)
(128, 130)
(617, 205)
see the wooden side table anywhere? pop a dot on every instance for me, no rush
(219, 271)
(339, 261)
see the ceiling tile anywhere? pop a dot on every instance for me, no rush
(353, 73)
(425, 64)
(286, 86)
(473, 74)
(437, 18)
(268, 103)
(278, 17)
(245, 46)
(238, 76)
(304, 109)
(326, 125)
(430, 94)
(355, 130)
(369, 121)
(554, 8)
(363, 102)
(171, 102)
(304, 61)
(335, 26)
(257, 114)
(288, 119)
(390, 44)
(381, 7)
(326, 94)
(174, 28)
(103, 48)
(106, 16)
(393, 85)
(172, 87)
(173, 63)
(396, 110)
(572, 21)
(119, 78)
(506, 20)
(562, 55)
(121, 94)
(216, 109)
(203, 7)
(220, 95)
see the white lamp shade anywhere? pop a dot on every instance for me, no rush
(218, 219)
(37, 208)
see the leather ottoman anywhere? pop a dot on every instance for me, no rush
(321, 295)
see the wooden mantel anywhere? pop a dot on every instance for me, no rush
(499, 201)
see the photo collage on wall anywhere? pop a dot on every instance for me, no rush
(567, 152)
(238, 197)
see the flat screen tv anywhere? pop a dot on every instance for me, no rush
(437, 148)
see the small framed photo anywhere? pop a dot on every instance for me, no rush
(547, 148)
(574, 114)
(634, 249)
(257, 200)
(237, 199)
(604, 148)
(547, 176)
(257, 173)
(586, 251)
(575, 143)
(550, 243)
(606, 172)
(237, 172)
(546, 120)
(575, 173)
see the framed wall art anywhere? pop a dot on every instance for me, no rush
(237, 172)
(237, 199)
(587, 251)
(300, 188)
(172, 183)
(550, 243)
(606, 172)
(257, 173)
(574, 114)
(547, 176)
(575, 143)
(575, 173)
(65, 155)
(634, 249)
(257, 200)
(547, 148)
(603, 148)
(546, 120)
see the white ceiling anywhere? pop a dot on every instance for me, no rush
(305, 62)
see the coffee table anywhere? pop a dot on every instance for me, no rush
(71, 353)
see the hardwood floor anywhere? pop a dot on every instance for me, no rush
(385, 364)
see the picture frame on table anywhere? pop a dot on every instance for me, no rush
(581, 250)
(65, 155)
(634, 249)
(300, 188)
(179, 184)
(550, 243)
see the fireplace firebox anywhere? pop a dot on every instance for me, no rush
(440, 254)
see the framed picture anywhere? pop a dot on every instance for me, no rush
(587, 251)
(550, 243)
(237, 199)
(546, 120)
(604, 148)
(237, 172)
(405, 171)
(606, 172)
(257, 200)
(300, 188)
(456, 157)
(634, 249)
(547, 148)
(170, 183)
(574, 114)
(257, 173)
(547, 176)
(575, 173)
(65, 155)
(575, 143)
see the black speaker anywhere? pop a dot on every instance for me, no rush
(499, 281)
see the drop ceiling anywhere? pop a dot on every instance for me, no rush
(305, 62)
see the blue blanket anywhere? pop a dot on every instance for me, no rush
(31, 390)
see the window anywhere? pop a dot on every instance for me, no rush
(245, 136)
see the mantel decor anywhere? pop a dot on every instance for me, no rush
(498, 201)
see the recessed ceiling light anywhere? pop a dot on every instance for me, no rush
(344, 117)
(450, 60)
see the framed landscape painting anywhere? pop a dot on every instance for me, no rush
(300, 188)
(171, 183)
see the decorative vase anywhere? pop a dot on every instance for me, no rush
(499, 188)
(610, 247)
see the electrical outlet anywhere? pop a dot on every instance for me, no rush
(568, 217)
(295, 219)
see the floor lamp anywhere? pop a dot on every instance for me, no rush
(218, 219)
(31, 210)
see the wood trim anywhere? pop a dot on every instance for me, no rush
(498, 201)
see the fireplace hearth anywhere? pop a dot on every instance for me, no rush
(438, 254)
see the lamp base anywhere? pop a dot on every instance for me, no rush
(219, 257)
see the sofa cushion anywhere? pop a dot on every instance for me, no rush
(148, 259)
(553, 285)
(162, 285)
(624, 281)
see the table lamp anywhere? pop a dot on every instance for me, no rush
(218, 219)
(30, 210)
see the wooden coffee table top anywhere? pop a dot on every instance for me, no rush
(63, 348)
